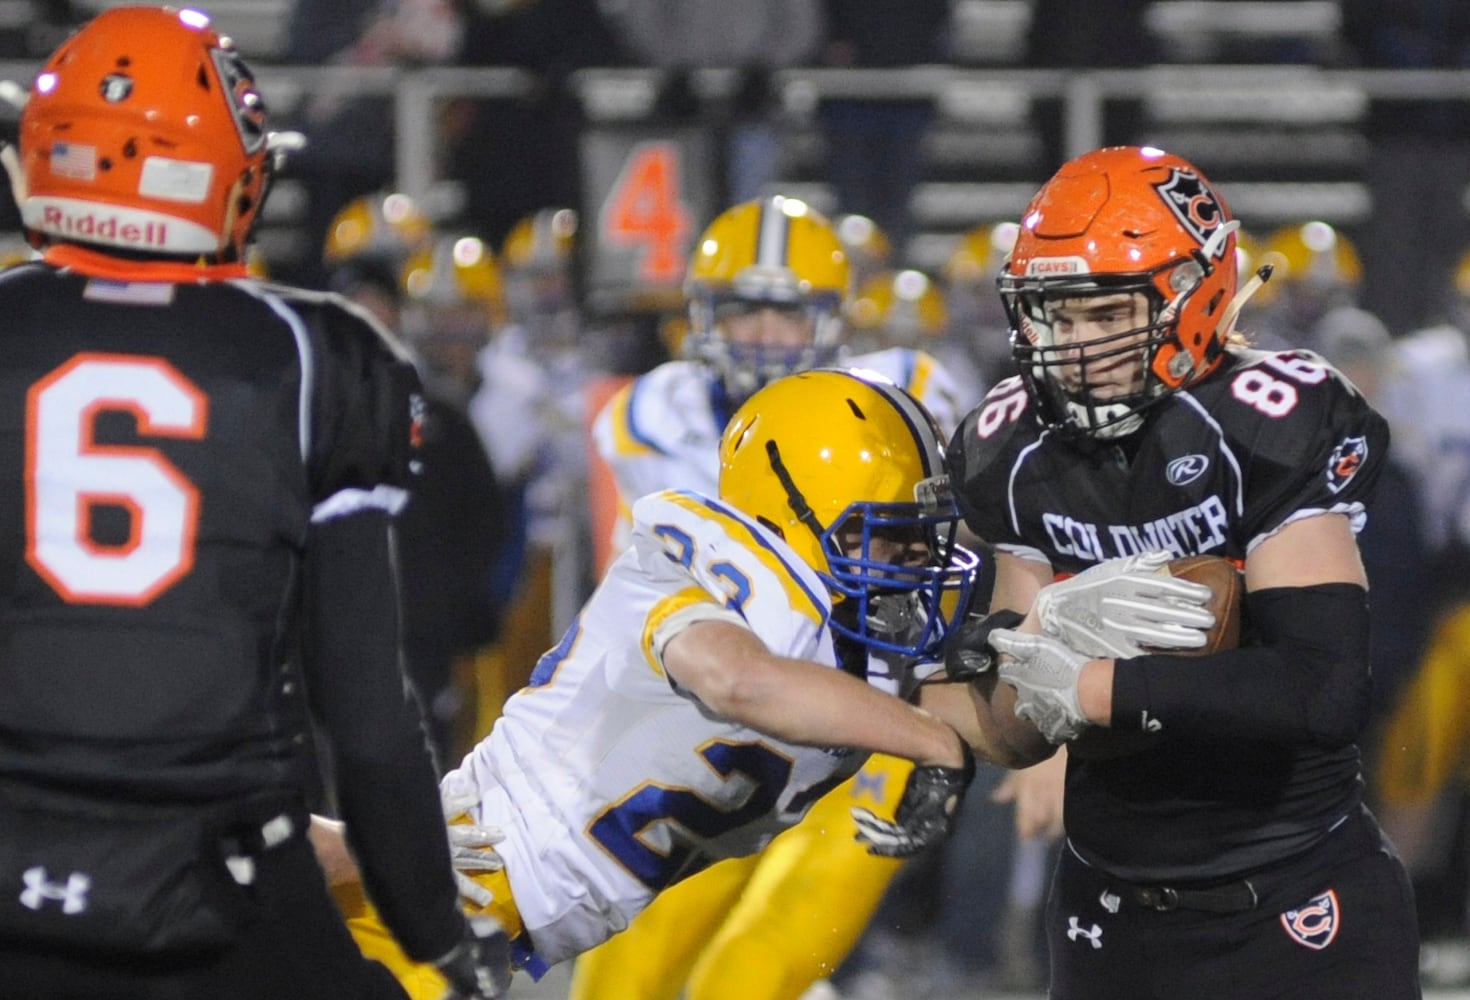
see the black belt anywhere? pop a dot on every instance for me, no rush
(1232, 897)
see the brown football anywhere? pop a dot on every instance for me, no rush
(1226, 590)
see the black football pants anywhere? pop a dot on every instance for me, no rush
(1337, 923)
(294, 946)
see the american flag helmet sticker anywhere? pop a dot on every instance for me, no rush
(73, 159)
(1315, 923)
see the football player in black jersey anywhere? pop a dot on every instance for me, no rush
(198, 559)
(1217, 844)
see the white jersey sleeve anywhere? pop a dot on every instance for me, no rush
(611, 783)
(659, 432)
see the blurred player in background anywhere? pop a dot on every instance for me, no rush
(766, 288)
(1217, 843)
(1315, 269)
(461, 541)
(977, 318)
(529, 406)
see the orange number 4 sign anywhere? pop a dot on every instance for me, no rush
(644, 210)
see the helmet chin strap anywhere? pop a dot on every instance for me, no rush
(799, 506)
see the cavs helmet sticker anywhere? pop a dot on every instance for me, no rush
(1194, 204)
(1315, 924)
(1347, 458)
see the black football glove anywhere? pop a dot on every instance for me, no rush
(478, 968)
(967, 652)
(925, 815)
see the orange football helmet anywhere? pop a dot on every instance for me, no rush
(144, 131)
(1122, 219)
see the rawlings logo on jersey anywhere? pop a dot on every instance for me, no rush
(1194, 204)
(1185, 470)
(1347, 458)
(1315, 924)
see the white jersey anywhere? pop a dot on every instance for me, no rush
(609, 782)
(663, 431)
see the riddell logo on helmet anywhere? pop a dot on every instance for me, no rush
(104, 229)
(87, 221)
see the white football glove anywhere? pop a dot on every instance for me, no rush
(1044, 673)
(471, 846)
(1117, 607)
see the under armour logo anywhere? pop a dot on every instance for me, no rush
(1148, 723)
(1092, 934)
(72, 896)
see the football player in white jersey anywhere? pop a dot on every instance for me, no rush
(733, 666)
(767, 288)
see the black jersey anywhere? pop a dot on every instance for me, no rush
(1267, 438)
(170, 445)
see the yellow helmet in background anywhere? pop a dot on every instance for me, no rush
(980, 255)
(542, 241)
(387, 226)
(868, 247)
(454, 271)
(452, 304)
(896, 309)
(774, 252)
(1313, 256)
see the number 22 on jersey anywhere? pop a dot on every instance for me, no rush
(70, 478)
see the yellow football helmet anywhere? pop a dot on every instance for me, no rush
(538, 262)
(453, 303)
(776, 253)
(834, 460)
(387, 226)
(543, 241)
(868, 247)
(456, 271)
(1314, 264)
(896, 309)
(979, 256)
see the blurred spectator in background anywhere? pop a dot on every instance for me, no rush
(875, 145)
(515, 156)
(753, 37)
(351, 144)
(1418, 155)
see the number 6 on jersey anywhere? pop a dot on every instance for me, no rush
(69, 477)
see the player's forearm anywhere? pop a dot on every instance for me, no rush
(813, 705)
(996, 737)
(1305, 681)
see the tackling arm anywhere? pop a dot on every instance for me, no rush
(733, 673)
(984, 711)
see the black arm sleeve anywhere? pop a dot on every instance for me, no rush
(1303, 681)
(384, 775)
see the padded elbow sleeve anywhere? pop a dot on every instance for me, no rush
(1302, 678)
